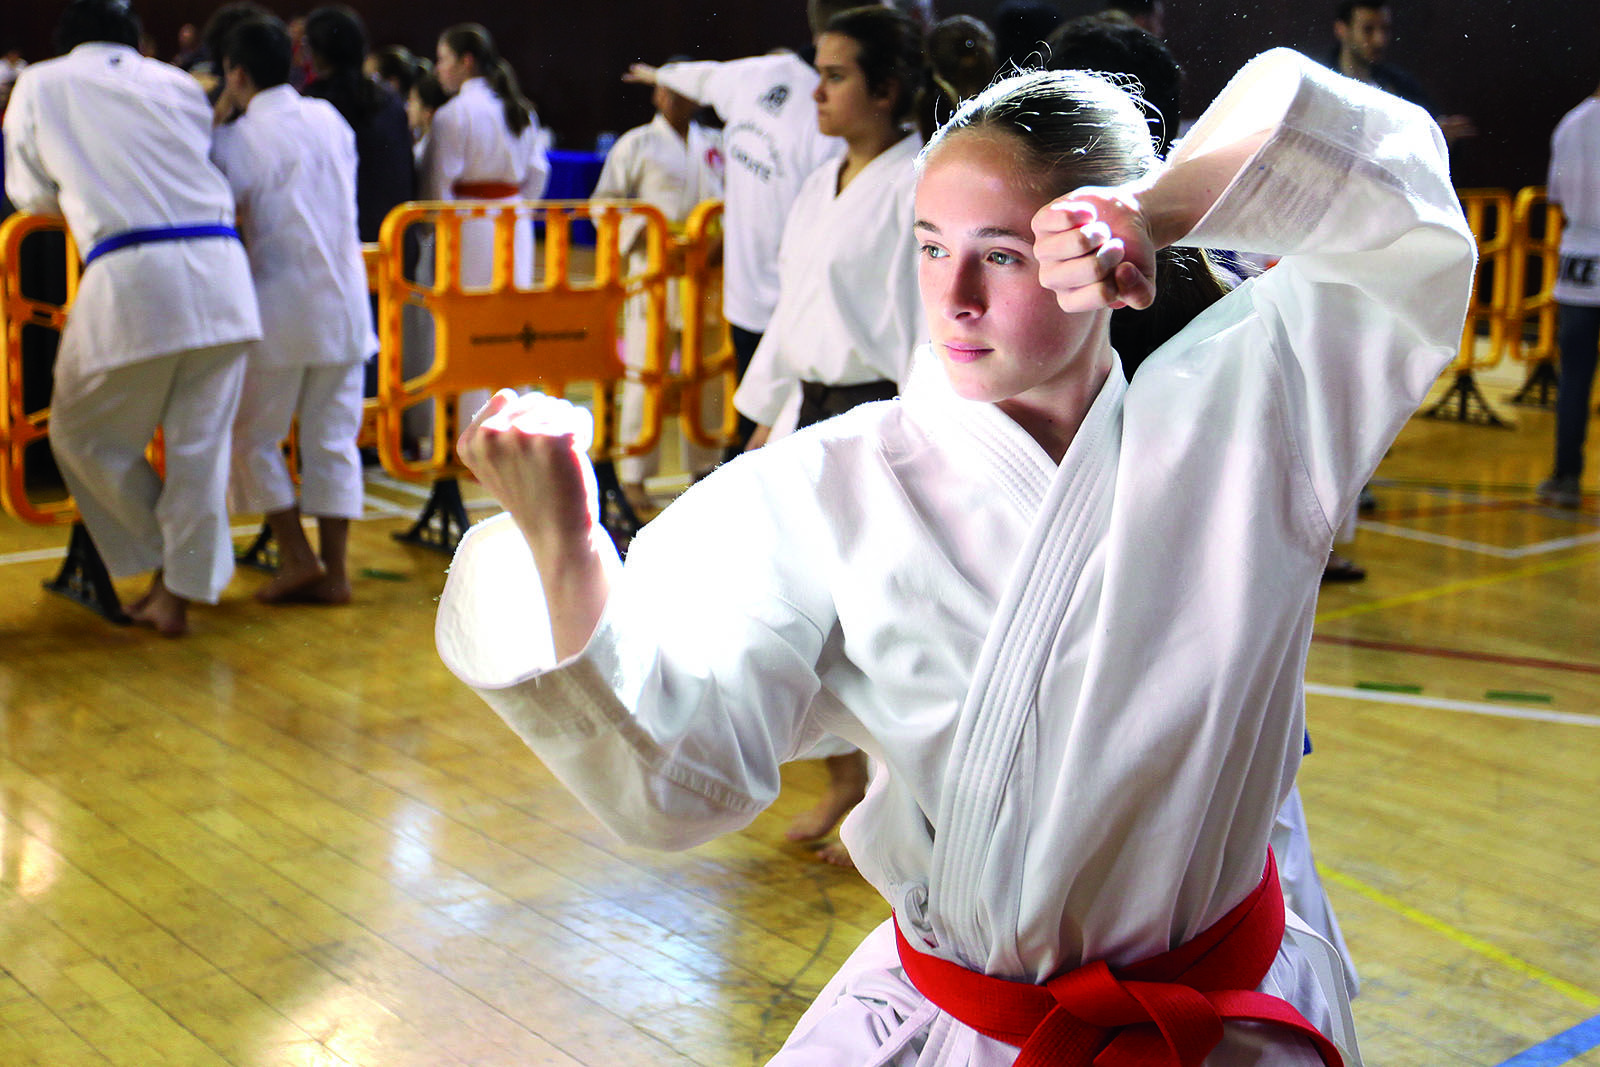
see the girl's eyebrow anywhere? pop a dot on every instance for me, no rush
(980, 232)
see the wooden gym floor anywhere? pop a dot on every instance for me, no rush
(292, 838)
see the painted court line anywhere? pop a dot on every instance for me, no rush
(1530, 571)
(1461, 938)
(1563, 1048)
(1539, 548)
(1456, 653)
(1496, 711)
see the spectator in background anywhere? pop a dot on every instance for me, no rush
(165, 308)
(672, 163)
(425, 98)
(291, 163)
(1149, 15)
(1364, 30)
(397, 67)
(1574, 185)
(962, 60)
(189, 50)
(1021, 28)
(386, 173)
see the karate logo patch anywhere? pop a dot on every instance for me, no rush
(774, 98)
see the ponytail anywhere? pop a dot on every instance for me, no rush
(1186, 284)
(471, 39)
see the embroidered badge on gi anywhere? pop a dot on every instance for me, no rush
(774, 98)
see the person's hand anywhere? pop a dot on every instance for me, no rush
(758, 438)
(531, 453)
(1095, 250)
(640, 74)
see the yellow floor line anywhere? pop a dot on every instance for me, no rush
(1461, 937)
(1530, 571)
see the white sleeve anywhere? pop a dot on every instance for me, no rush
(445, 158)
(29, 186)
(671, 724)
(538, 175)
(1352, 189)
(617, 174)
(768, 383)
(706, 82)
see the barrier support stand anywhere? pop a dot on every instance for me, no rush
(616, 514)
(443, 520)
(83, 578)
(1469, 402)
(1544, 381)
(262, 555)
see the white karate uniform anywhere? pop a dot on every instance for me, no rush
(771, 142)
(1574, 183)
(469, 141)
(848, 308)
(116, 142)
(654, 164)
(291, 162)
(1083, 683)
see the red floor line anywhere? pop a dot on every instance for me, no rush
(1456, 653)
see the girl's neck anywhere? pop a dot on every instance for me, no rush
(1053, 414)
(861, 149)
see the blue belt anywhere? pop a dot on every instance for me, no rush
(154, 234)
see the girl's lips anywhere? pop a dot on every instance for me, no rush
(964, 351)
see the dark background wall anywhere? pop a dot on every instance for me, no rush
(1513, 66)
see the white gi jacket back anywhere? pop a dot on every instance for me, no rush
(118, 142)
(291, 162)
(470, 142)
(771, 141)
(1084, 682)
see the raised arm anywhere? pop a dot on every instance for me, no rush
(531, 453)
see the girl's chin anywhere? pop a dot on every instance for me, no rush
(969, 385)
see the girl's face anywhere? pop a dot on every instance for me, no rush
(453, 70)
(418, 114)
(845, 106)
(1000, 334)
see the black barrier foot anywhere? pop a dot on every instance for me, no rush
(262, 555)
(1543, 381)
(616, 514)
(83, 578)
(443, 519)
(1468, 404)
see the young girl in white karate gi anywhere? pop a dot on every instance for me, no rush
(1067, 614)
(848, 314)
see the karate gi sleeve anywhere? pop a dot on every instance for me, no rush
(1352, 189)
(538, 173)
(444, 159)
(29, 186)
(671, 724)
(707, 82)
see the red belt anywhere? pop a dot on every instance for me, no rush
(485, 190)
(1166, 1010)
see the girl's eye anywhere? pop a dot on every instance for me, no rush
(1003, 259)
(933, 251)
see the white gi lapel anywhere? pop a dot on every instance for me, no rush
(999, 708)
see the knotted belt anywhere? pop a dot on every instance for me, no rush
(1167, 1010)
(485, 190)
(155, 234)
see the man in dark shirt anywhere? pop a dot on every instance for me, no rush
(1364, 29)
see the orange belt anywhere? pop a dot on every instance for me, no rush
(485, 190)
(1167, 1010)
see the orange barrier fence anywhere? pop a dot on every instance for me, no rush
(1536, 238)
(20, 427)
(708, 356)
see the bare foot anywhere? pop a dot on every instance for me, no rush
(162, 610)
(325, 590)
(847, 784)
(835, 853)
(290, 583)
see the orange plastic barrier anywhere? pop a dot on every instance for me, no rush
(707, 352)
(19, 427)
(554, 327)
(1490, 216)
(1536, 239)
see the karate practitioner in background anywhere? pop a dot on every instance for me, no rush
(118, 143)
(848, 315)
(1574, 186)
(672, 163)
(771, 141)
(485, 143)
(291, 162)
(1067, 614)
